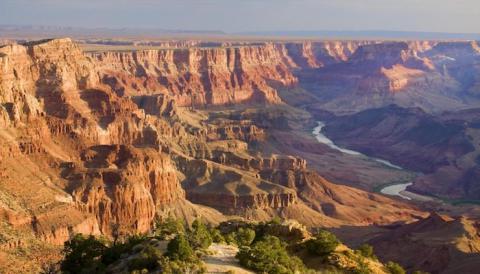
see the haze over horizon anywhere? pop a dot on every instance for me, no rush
(249, 16)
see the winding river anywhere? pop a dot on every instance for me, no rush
(394, 190)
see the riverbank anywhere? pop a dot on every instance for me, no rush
(391, 189)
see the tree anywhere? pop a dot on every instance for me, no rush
(179, 249)
(82, 255)
(199, 235)
(147, 259)
(395, 268)
(323, 244)
(245, 236)
(269, 255)
(180, 258)
(168, 227)
(114, 252)
(217, 236)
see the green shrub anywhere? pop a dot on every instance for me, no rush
(231, 238)
(275, 220)
(147, 259)
(199, 236)
(114, 252)
(217, 236)
(367, 251)
(323, 244)
(168, 227)
(179, 249)
(169, 266)
(269, 255)
(82, 255)
(245, 236)
(395, 268)
(362, 267)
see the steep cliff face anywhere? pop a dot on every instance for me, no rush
(55, 113)
(307, 55)
(377, 74)
(199, 76)
(123, 186)
(385, 67)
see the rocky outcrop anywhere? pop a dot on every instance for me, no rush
(54, 228)
(240, 130)
(231, 190)
(308, 55)
(159, 104)
(123, 186)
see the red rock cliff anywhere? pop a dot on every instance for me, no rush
(200, 76)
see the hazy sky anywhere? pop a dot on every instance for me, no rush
(249, 15)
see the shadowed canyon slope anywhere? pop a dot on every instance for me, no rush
(444, 147)
(437, 244)
(102, 142)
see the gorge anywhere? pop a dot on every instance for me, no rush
(102, 141)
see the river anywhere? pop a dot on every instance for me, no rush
(394, 190)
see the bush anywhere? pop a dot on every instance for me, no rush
(323, 244)
(199, 236)
(181, 258)
(269, 255)
(113, 253)
(362, 267)
(395, 268)
(366, 250)
(179, 249)
(82, 255)
(169, 266)
(168, 227)
(217, 236)
(147, 259)
(231, 238)
(275, 221)
(245, 236)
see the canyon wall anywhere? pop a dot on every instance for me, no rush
(107, 131)
(200, 76)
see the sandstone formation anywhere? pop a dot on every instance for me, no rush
(198, 76)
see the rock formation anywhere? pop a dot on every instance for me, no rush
(198, 76)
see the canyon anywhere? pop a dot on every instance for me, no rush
(101, 141)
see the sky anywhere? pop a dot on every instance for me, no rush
(456, 16)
